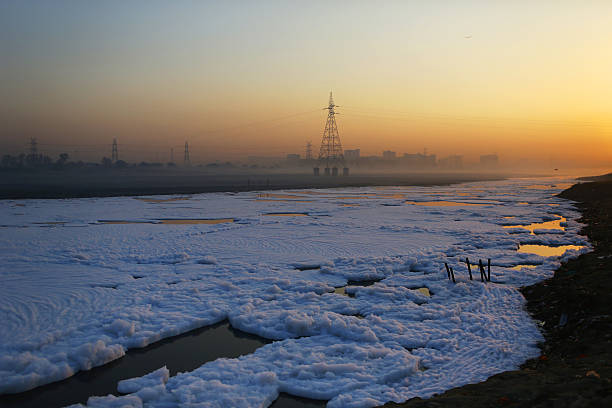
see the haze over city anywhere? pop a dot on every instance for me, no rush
(529, 81)
(298, 204)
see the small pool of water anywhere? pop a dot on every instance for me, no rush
(548, 225)
(185, 352)
(546, 250)
(519, 267)
(424, 291)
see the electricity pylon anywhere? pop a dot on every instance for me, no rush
(186, 161)
(331, 154)
(114, 151)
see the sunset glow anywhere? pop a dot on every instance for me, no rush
(525, 80)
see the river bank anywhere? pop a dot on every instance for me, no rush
(575, 367)
(134, 182)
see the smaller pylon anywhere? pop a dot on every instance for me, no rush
(186, 161)
(33, 147)
(115, 151)
(171, 155)
(308, 150)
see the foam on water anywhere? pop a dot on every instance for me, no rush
(75, 298)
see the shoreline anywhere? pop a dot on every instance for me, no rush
(575, 367)
(117, 183)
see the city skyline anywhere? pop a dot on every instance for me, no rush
(238, 79)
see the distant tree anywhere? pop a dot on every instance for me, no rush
(63, 158)
(171, 164)
(120, 164)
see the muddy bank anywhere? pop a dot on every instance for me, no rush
(575, 367)
(128, 182)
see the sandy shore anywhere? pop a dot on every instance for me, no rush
(575, 367)
(121, 182)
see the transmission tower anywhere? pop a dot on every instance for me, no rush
(33, 147)
(186, 161)
(171, 155)
(330, 153)
(114, 152)
(308, 150)
(33, 157)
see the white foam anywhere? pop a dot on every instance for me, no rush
(75, 298)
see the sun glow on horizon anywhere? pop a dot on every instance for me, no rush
(524, 80)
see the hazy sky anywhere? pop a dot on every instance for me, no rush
(238, 78)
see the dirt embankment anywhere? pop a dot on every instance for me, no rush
(575, 368)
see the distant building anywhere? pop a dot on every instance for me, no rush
(352, 154)
(489, 161)
(418, 160)
(388, 155)
(451, 162)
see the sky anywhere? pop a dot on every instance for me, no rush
(526, 80)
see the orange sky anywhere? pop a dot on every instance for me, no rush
(519, 79)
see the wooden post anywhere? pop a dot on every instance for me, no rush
(447, 270)
(467, 261)
(452, 274)
(489, 269)
(482, 272)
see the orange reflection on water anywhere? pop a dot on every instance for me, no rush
(545, 250)
(441, 203)
(424, 291)
(519, 267)
(548, 225)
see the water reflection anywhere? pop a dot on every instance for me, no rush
(424, 291)
(547, 225)
(441, 203)
(519, 267)
(182, 353)
(546, 250)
